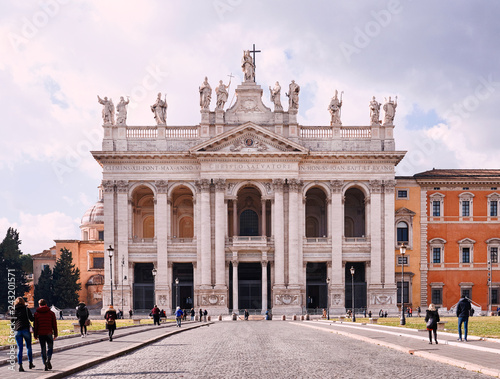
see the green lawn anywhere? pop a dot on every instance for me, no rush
(65, 327)
(478, 326)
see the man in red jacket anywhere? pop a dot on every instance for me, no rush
(45, 329)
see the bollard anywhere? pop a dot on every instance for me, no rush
(234, 316)
(307, 316)
(208, 318)
(283, 317)
(220, 317)
(294, 318)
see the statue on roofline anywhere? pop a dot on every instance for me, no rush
(108, 110)
(159, 108)
(276, 96)
(335, 107)
(248, 66)
(375, 111)
(205, 94)
(121, 111)
(390, 111)
(293, 95)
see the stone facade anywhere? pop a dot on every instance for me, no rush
(249, 209)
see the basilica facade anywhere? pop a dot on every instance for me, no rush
(250, 210)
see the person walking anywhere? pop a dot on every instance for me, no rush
(432, 319)
(463, 310)
(45, 330)
(192, 314)
(130, 313)
(178, 316)
(205, 313)
(418, 311)
(110, 317)
(246, 314)
(156, 315)
(201, 315)
(22, 325)
(82, 314)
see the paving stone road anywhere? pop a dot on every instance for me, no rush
(262, 349)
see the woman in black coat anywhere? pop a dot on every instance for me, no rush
(82, 313)
(432, 319)
(21, 318)
(110, 318)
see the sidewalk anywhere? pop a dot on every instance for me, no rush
(478, 354)
(74, 354)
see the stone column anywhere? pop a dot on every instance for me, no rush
(389, 256)
(336, 221)
(376, 233)
(121, 247)
(235, 217)
(220, 227)
(263, 223)
(206, 254)
(264, 286)
(235, 286)
(161, 233)
(109, 237)
(279, 235)
(130, 219)
(293, 233)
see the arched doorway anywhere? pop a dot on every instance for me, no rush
(143, 222)
(316, 219)
(143, 286)
(354, 213)
(182, 213)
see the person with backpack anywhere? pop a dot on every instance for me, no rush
(45, 330)
(463, 311)
(82, 314)
(110, 316)
(21, 321)
(432, 319)
(178, 316)
(155, 312)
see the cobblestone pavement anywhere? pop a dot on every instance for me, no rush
(268, 350)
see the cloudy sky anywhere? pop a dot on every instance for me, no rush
(441, 58)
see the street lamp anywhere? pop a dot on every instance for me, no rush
(123, 278)
(110, 254)
(402, 250)
(352, 285)
(176, 292)
(154, 272)
(328, 298)
(489, 287)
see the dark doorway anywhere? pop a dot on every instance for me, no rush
(143, 287)
(250, 286)
(316, 287)
(249, 223)
(359, 285)
(183, 272)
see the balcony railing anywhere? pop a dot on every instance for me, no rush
(140, 132)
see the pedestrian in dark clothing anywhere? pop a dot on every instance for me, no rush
(110, 317)
(82, 314)
(45, 330)
(418, 311)
(201, 315)
(370, 314)
(130, 313)
(205, 313)
(21, 321)
(246, 314)
(192, 314)
(178, 316)
(463, 310)
(432, 318)
(156, 315)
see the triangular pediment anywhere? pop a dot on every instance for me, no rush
(405, 211)
(248, 138)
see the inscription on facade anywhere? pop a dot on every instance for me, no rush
(251, 166)
(152, 168)
(346, 168)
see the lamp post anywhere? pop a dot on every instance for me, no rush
(110, 254)
(176, 292)
(154, 272)
(489, 287)
(123, 278)
(328, 298)
(352, 285)
(402, 250)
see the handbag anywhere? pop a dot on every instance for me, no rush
(430, 323)
(29, 322)
(87, 322)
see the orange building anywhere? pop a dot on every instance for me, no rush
(461, 231)
(88, 256)
(407, 227)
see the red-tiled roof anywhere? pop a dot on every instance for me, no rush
(458, 173)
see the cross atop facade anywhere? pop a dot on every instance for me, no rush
(253, 51)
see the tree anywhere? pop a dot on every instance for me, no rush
(66, 281)
(44, 289)
(13, 281)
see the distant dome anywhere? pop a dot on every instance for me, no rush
(94, 215)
